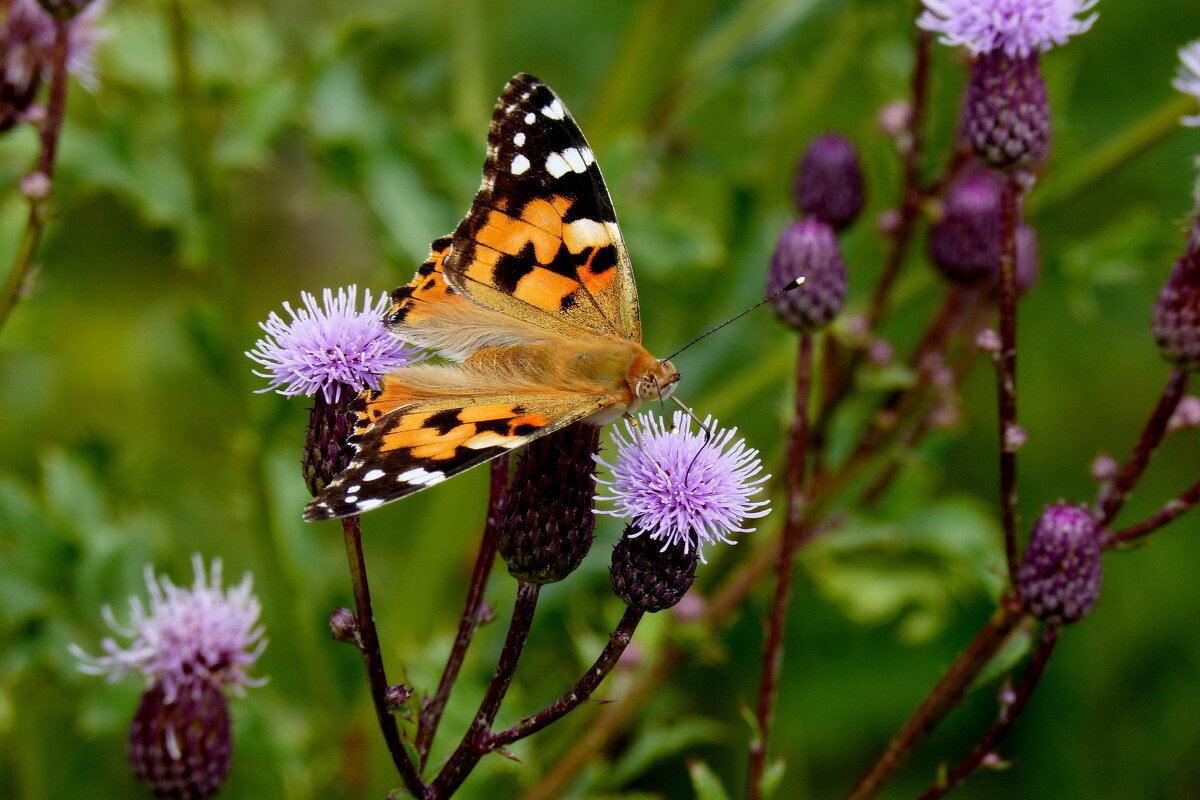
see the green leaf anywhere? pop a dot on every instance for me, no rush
(706, 783)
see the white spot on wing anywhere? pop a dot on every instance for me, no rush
(519, 140)
(367, 505)
(519, 165)
(374, 475)
(418, 476)
(529, 118)
(555, 110)
(588, 157)
(353, 489)
(351, 498)
(556, 165)
(575, 159)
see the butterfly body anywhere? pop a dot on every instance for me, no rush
(531, 300)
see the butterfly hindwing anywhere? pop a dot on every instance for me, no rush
(402, 449)
(541, 241)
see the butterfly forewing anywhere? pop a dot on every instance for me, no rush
(541, 241)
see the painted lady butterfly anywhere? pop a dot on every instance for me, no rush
(533, 296)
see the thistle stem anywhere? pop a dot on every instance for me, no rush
(792, 536)
(23, 262)
(1008, 715)
(944, 697)
(618, 640)
(373, 658)
(431, 714)
(474, 744)
(1168, 512)
(1112, 498)
(1006, 372)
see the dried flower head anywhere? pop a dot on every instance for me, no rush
(206, 632)
(1060, 577)
(1187, 80)
(809, 248)
(682, 487)
(324, 348)
(1019, 28)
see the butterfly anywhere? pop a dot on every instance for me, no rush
(532, 302)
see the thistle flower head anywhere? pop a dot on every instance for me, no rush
(27, 34)
(206, 633)
(809, 248)
(1176, 319)
(325, 348)
(1019, 28)
(1060, 577)
(181, 749)
(829, 181)
(647, 576)
(546, 519)
(1187, 80)
(1006, 114)
(681, 487)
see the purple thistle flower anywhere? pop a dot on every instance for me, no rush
(323, 348)
(205, 632)
(809, 248)
(1188, 78)
(680, 488)
(1018, 27)
(829, 181)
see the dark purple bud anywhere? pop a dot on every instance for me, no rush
(396, 696)
(1006, 117)
(1059, 580)
(964, 244)
(546, 516)
(829, 182)
(181, 749)
(325, 451)
(1176, 321)
(343, 626)
(809, 248)
(649, 576)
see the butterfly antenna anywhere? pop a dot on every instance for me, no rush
(707, 434)
(790, 285)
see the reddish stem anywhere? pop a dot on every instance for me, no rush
(945, 695)
(1168, 512)
(618, 640)
(792, 536)
(474, 745)
(1008, 716)
(431, 714)
(373, 658)
(1112, 498)
(1006, 372)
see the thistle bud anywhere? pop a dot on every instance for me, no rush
(343, 626)
(1007, 114)
(829, 181)
(649, 575)
(807, 247)
(546, 517)
(325, 450)
(64, 9)
(180, 748)
(965, 245)
(1059, 580)
(1176, 321)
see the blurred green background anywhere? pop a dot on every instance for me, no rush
(236, 153)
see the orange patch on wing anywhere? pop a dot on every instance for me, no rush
(511, 235)
(427, 437)
(536, 420)
(434, 452)
(487, 413)
(545, 289)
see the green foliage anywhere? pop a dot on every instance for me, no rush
(236, 153)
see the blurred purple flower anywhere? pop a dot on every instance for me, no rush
(1188, 78)
(1018, 27)
(27, 39)
(323, 348)
(682, 487)
(203, 633)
